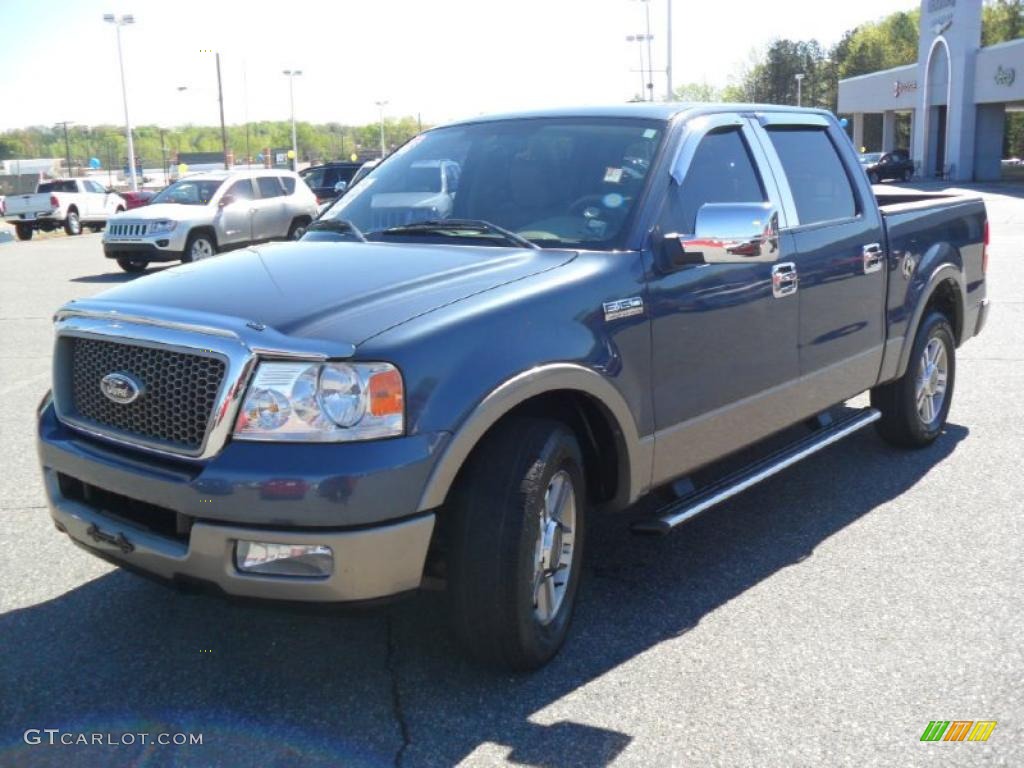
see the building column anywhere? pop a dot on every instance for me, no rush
(858, 130)
(989, 128)
(888, 131)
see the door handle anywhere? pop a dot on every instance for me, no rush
(873, 258)
(785, 280)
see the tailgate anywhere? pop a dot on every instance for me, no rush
(28, 206)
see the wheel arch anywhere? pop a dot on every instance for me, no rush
(944, 291)
(202, 229)
(576, 395)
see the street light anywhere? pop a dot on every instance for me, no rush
(799, 89)
(118, 22)
(643, 77)
(380, 106)
(292, 73)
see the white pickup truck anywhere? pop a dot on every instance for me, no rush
(68, 203)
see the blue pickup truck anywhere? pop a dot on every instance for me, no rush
(512, 326)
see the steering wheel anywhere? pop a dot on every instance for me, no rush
(577, 207)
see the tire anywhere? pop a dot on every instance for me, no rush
(297, 229)
(24, 231)
(905, 422)
(873, 178)
(131, 265)
(200, 245)
(499, 601)
(72, 224)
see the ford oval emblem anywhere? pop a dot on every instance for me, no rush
(121, 388)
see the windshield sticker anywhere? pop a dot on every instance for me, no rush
(613, 175)
(650, 133)
(612, 200)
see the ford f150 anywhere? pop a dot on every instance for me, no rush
(614, 302)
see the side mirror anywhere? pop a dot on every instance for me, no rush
(341, 186)
(734, 233)
(226, 201)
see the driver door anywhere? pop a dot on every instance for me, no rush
(724, 340)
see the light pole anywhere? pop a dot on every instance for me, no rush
(380, 106)
(292, 73)
(799, 90)
(118, 22)
(643, 78)
(670, 93)
(67, 144)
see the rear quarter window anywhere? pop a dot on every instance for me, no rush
(817, 178)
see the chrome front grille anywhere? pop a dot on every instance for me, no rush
(179, 392)
(127, 229)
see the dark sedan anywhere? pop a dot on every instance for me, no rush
(329, 181)
(882, 166)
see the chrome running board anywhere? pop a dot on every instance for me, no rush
(691, 505)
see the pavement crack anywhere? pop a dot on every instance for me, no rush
(396, 694)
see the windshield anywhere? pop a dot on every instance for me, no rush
(189, 192)
(870, 157)
(559, 182)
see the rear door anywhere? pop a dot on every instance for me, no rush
(271, 219)
(234, 220)
(724, 344)
(840, 261)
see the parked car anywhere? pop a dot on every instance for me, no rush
(204, 213)
(453, 400)
(139, 198)
(330, 180)
(68, 203)
(882, 166)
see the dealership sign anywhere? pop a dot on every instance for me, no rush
(903, 86)
(1005, 76)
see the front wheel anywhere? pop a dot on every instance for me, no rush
(24, 231)
(874, 178)
(72, 224)
(915, 406)
(515, 529)
(133, 266)
(199, 246)
(298, 229)
(908, 175)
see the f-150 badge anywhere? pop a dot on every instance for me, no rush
(616, 310)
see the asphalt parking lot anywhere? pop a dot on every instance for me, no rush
(822, 618)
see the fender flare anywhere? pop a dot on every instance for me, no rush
(637, 453)
(943, 272)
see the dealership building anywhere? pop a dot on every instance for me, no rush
(951, 105)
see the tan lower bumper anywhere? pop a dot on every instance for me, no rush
(370, 563)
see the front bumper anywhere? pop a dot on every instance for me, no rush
(279, 493)
(148, 252)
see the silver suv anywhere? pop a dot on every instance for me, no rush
(204, 213)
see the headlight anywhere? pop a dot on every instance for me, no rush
(163, 225)
(328, 402)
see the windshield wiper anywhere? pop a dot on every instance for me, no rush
(341, 226)
(466, 225)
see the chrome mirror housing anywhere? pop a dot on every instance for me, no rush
(731, 233)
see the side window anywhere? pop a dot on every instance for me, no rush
(289, 184)
(330, 177)
(241, 190)
(315, 178)
(92, 186)
(819, 183)
(722, 171)
(269, 186)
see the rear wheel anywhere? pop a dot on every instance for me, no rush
(131, 265)
(515, 529)
(72, 224)
(200, 246)
(908, 175)
(298, 229)
(873, 177)
(914, 407)
(24, 231)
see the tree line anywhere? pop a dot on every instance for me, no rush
(769, 75)
(155, 146)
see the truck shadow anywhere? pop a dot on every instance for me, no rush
(115, 277)
(267, 687)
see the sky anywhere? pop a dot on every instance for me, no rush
(440, 59)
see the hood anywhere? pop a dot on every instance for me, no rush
(172, 211)
(341, 292)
